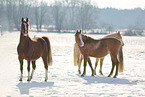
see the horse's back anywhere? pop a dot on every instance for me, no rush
(102, 47)
(38, 39)
(113, 45)
(35, 49)
(116, 35)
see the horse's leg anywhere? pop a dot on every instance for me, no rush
(90, 64)
(117, 62)
(101, 64)
(79, 64)
(28, 69)
(34, 67)
(21, 68)
(96, 66)
(113, 65)
(85, 64)
(46, 67)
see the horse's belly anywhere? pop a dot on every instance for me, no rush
(98, 53)
(34, 56)
(31, 57)
(101, 55)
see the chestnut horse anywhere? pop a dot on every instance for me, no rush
(99, 48)
(78, 56)
(32, 49)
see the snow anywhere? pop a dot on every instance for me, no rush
(63, 78)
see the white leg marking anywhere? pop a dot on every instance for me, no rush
(28, 76)
(82, 43)
(32, 74)
(21, 76)
(46, 75)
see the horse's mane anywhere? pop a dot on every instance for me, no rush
(116, 36)
(87, 38)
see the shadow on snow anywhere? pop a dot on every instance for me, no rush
(103, 79)
(24, 87)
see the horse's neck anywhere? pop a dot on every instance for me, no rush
(84, 37)
(24, 40)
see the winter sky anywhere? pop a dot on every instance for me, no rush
(119, 4)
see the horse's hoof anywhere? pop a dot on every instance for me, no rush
(45, 80)
(114, 77)
(20, 80)
(79, 72)
(101, 73)
(82, 75)
(109, 75)
(28, 80)
(92, 74)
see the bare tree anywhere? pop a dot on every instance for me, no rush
(40, 12)
(2, 11)
(72, 12)
(9, 13)
(2, 15)
(43, 10)
(58, 13)
(15, 10)
(86, 13)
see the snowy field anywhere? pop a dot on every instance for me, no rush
(64, 80)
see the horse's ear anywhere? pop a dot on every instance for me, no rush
(118, 32)
(22, 19)
(27, 19)
(80, 31)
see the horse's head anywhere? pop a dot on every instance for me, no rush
(78, 37)
(24, 26)
(119, 35)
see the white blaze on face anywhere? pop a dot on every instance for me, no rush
(25, 34)
(82, 43)
(25, 26)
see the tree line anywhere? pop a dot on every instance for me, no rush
(60, 14)
(70, 15)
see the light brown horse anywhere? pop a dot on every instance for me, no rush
(32, 49)
(78, 56)
(99, 48)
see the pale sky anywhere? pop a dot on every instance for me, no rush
(120, 4)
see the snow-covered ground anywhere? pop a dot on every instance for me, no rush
(64, 80)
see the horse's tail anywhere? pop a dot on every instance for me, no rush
(75, 55)
(49, 51)
(121, 65)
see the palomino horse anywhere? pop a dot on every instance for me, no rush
(99, 48)
(78, 56)
(32, 49)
